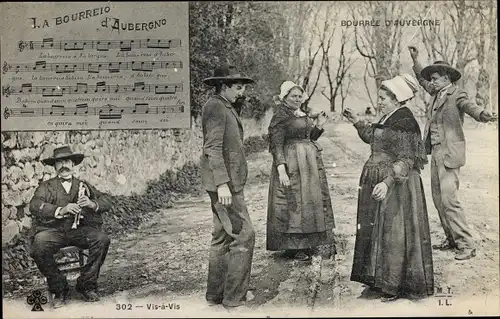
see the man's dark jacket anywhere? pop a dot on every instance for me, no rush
(51, 194)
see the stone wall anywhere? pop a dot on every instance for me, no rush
(118, 162)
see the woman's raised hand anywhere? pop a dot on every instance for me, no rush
(322, 119)
(349, 114)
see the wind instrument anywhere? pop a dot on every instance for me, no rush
(81, 193)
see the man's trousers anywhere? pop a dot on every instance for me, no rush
(445, 185)
(231, 252)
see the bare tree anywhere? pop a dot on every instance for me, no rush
(486, 54)
(452, 40)
(367, 87)
(321, 28)
(313, 47)
(336, 78)
(379, 46)
(298, 18)
(344, 90)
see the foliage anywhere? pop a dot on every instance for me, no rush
(245, 34)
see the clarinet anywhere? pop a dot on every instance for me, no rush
(81, 193)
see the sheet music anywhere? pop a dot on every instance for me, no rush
(130, 71)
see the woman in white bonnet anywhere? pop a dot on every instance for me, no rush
(300, 215)
(392, 252)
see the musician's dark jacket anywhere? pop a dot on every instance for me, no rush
(51, 194)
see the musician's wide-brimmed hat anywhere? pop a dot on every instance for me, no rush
(227, 74)
(61, 153)
(455, 75)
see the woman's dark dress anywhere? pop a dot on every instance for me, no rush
(300, 216)
(393, 247)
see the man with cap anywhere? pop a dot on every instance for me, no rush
(56, 207)
(224, 172)
(444, 138)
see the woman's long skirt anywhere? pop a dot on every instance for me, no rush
(393, 247)
(300, 216)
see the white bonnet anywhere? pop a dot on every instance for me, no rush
(403, 86)
(287, 86)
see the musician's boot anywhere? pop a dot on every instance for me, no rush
(97, 243)
(43, 247)
(88, 295)
(59, 299)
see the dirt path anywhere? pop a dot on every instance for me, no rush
(165, 261)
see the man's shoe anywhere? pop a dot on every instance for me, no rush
(302, 256)
(445, 245)
(214, 302)
(89, 295)
(59, 299)
(465, 254)
(232, 309)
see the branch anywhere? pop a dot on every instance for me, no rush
(364, 54)
(316, 83)
(323, 93)
(327, 69)
(366, 86)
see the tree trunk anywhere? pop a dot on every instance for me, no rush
(332, 105)
(482, 87)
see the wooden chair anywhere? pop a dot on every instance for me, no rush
(76, 261)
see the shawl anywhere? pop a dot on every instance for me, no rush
(404, 126)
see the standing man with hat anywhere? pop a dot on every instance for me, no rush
(56, 206)
(224, 172)
(444, 138)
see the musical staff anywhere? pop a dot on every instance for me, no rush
(99, 45)
(84, 88)
(91, 67)
(105, 112)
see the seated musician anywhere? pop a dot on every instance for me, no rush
(67, 212)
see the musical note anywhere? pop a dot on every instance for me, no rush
(41, 64)
(103, 46)
(27, 86)
(139, 86)
(28, 113)
(73, 45)
(54, 91)
(144, 66)
(126, 45)
(82, 109)
(110, 112)
(143, 108)
(114, 67)
(100, 86)
(173, 109)
(167, 89)
(92, 67)
(48, 40)
(81, 88)
(57, 110)
(100, 45)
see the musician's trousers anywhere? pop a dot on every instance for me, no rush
(48, 242)
(231, 252)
